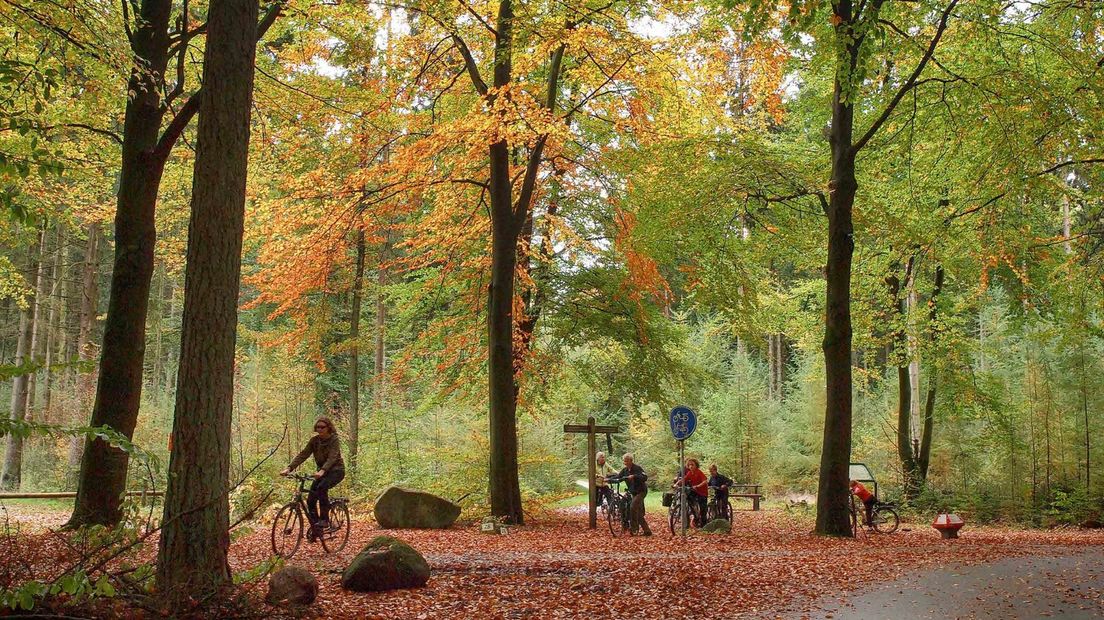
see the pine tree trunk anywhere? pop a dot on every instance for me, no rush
(67, 350)
(22, 385)
(192, 554)
(86, 349)
(354, 356)
(37, 318)
(119, 391)
(13, 454)
(52, 326)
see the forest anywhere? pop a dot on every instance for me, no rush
(848, 231)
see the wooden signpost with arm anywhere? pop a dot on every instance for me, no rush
(591, 429)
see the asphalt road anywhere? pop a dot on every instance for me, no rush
(1053, 583)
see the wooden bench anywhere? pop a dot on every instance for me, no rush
(748, 491)
(754, 497)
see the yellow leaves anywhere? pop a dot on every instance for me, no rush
(835, 20)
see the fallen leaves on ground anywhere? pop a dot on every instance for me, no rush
(555, 567)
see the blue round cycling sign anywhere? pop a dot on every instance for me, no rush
(683, 422)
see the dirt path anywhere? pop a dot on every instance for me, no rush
(1050, 583)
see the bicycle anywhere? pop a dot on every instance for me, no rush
(674, 511)
(617, 514)
(717, 510)
(883, 516)
(287, 528)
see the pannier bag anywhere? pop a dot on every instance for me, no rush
(668, 499)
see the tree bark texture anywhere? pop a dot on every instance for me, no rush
(354, 354)
(86, 348)
(192, 553)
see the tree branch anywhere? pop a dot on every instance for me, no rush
(910, 83)
(1072, 162)
(469, 63)
(179, 122)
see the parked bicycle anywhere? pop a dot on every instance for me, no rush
(617, 511)
(716, 509)
(883, 517)
(287, 529)
(674, 508)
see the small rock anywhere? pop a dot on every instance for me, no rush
(387, 563)
(292, 585)
(717, 526)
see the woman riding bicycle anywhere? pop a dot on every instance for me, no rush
(326, 450)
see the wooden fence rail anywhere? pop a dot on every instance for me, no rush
(71, 495)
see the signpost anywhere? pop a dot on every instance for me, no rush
(590, 429)
(683, 423)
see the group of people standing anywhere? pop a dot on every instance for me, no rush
(699, 484)
(691, 476)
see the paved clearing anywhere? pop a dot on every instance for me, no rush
(1052, 583)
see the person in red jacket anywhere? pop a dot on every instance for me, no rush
(698, 497)
(866, 496)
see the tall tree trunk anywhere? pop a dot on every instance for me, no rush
(52, 326)
(379, 353)
(86, 349)
(833, 510)
(354, 355)
(505, 490)
(507, 219)
(22, 386)
(119, 390)
(924, 458)
(13, 454)
(902, 350)
(67, 348)
(192, 554)
(37, 319)
(832, 494)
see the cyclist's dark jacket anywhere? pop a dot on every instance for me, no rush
(639, 483)
(326, 452)
(718, 480)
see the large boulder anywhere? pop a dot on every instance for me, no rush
(399, 508)
(292, 585)
(387, 563)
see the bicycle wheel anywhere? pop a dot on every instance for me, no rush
(712, 512)
(613, 516)
(885, 520)
(287, 531)
(334, 538)
(728, 510)
(674, 516)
